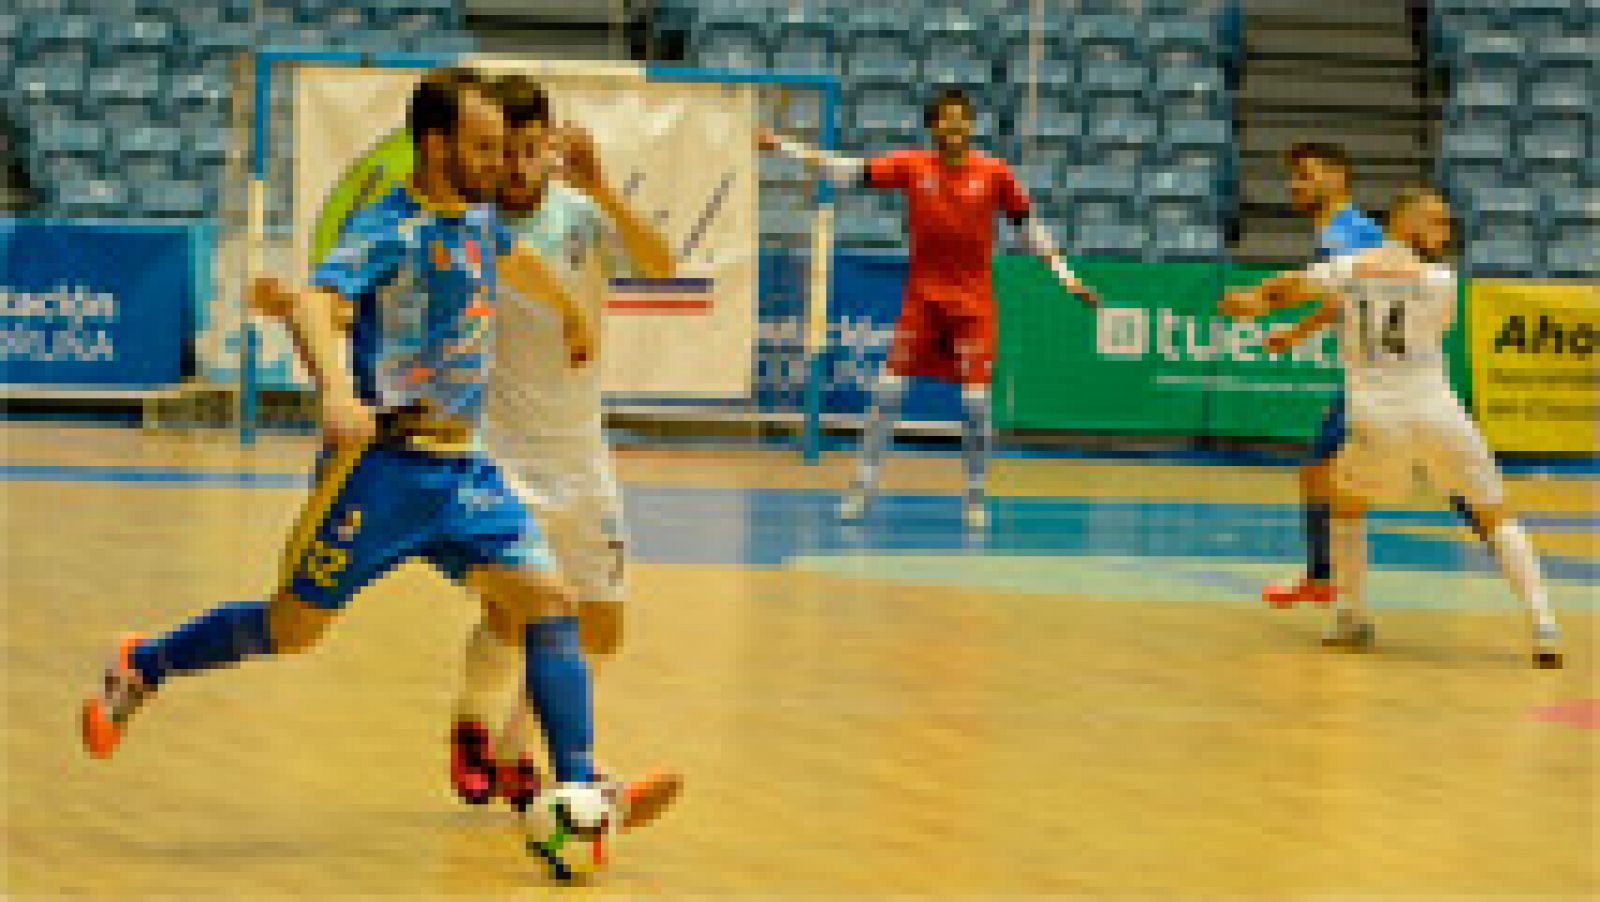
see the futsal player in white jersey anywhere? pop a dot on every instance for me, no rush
(1393, 306)
(544, 422)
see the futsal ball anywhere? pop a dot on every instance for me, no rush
(569, 828)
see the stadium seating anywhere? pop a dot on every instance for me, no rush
(1518, 129)
(124, 104)
(1119, 84)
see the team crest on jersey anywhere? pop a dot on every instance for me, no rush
(349, 526)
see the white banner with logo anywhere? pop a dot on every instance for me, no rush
(682, 154)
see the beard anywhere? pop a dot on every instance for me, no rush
(474, 188)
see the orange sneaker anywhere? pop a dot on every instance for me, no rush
(1305, 591)
(106, 714)
(644, 800)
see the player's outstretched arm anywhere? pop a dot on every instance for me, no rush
(840, 169)
(315, 319)
(645, 245)
(1276, 293)
(1039, 243)
(1284, 339)
(523, 273)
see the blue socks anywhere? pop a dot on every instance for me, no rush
(224, 635)
(559, 688)
(1319, 541)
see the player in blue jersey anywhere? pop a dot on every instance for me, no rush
(544, 424)
(418, 274)
(1319, 187)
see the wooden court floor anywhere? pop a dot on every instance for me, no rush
(842, 733)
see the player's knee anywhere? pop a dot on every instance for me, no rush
(514, 598)
(1316, 480)
(600, 628)
(294, 624)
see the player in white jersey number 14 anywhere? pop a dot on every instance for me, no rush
(1393, 306)
(544, 421)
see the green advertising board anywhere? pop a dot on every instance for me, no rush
(1156, 358)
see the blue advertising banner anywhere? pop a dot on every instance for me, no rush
(865, 303)
(93, 305)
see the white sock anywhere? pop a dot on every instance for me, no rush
(1349, 540)
(1514, 553)
(490, 678)
(887, 397)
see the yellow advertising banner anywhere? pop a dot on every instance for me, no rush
(1534, 381)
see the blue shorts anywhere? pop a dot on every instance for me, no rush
(1331, 434)
(372, 510)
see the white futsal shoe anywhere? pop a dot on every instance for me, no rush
(1348, 633)
(975, 510)
(853, 504)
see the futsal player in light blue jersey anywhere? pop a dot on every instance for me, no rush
(1319, 187)
(419, 274)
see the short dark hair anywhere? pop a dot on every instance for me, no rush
(523, 99)
(1411, 195)
(944, 98)
(1322, 152)
(436, 102)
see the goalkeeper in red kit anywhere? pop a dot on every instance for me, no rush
(946, 329)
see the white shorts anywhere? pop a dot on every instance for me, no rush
(586, 539)
(1389, 446)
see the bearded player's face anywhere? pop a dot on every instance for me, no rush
(531, 157)
(1426, 226)
(476, 157)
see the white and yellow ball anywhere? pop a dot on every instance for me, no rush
(569, 828)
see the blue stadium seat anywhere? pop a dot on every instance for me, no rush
(1467, 180)
(1540, 18)
(1570, 213)
(143, 42)
(1574, 259)
(126, 95)
(1114, 79)
(1183, 41)
(1058, 116)
(1108, 37)
(1053, 74)
(1477, 139)
(147, 152)
(1510, 212)
(278, 13)
(219, 41)
(1486, 51)
(882, 47)
(1195, 134)
(439, 43)
(89, 198)
(204, 146)
(200, 97)
(954, 63)
(69, 139)
(806, 51)
(54, 86)
(1503, 257)
(1189, 242)
(1557, 140)
(62, 40)
(1179, 183)
(731, 43)
(1494, 92)
(1192, 92)
(1107, 135)
(174, 198)
(1112, 240)
(885, 107)
(338, 14)
(1098, 181)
